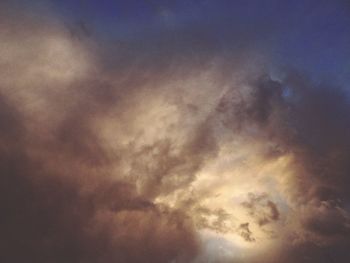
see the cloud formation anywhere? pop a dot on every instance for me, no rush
(133, 154)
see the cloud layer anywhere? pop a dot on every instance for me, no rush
(159, 153)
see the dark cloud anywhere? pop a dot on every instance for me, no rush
(261, 208)
(328, 220)
(308, 120)
(73, 189)
(59, 210)
(58, 199)
(245, 232)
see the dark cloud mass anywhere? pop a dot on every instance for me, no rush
(261, 208)
(122, 152)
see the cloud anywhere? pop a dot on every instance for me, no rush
(60, 196)
(261, 208)
(129, 153)
(246, 233)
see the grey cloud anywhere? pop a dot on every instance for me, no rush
(263, 210)
(245, 232)
(66, 196)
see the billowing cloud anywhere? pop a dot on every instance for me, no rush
(131, 153)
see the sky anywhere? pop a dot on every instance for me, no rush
(312, 35)
(174, 131)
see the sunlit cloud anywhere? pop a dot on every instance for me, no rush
(147, 155)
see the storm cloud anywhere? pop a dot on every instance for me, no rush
(170, 147)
